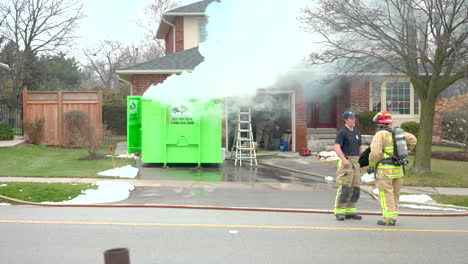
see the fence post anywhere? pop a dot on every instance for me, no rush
(60, 118)
(23, 114)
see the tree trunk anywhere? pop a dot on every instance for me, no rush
(422, 160)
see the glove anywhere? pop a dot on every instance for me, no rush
(370, 170)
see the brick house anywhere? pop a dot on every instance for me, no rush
(314, 115)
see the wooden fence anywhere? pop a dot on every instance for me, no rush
(52, 106)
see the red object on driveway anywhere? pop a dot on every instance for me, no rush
(305, 152)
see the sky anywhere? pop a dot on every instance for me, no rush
(112, 19)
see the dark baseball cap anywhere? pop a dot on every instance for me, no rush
(349, 114)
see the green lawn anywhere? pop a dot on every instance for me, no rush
(43, 192)
(445, 173)
(41, 161)
(459, 200)
(443, 148)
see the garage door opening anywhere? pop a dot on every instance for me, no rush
(272, 120)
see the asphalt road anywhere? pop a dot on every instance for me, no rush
(81, 235)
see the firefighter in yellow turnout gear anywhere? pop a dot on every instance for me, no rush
(388, 172)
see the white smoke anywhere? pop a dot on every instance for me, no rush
(250, 45)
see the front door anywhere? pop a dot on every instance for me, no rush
(321, 113)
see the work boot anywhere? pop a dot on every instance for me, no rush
(340, 217)
(388, 223)
(353, 216)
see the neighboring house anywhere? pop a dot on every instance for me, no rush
(316, 113)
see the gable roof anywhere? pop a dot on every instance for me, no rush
(177, 62)
(198, 8)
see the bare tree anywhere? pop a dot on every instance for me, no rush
(103, 61)
(153, 14)
(423, 39)
(35, 27)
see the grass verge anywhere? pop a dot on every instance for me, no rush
(42, 161)
(443, 148)
(43, 192)
(459, 200)
(445, 173)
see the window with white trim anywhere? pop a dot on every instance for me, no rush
(202, 34)
(396, 96)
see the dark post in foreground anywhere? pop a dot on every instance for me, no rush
(116, 256)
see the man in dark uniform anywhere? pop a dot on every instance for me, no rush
(348, 147)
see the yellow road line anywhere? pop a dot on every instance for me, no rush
(232, 226)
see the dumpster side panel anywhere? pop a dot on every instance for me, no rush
(153, 126)
(183, 136)
(187, 133)
(211, 132)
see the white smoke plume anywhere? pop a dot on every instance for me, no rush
(250, 45)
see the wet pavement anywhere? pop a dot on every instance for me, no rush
(225, 172)
(235, 186)
(281, 180)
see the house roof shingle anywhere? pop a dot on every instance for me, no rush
(176, 62)
(198, 7)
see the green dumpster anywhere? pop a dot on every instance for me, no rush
(184, 133)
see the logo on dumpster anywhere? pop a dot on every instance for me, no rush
(181, 111)
(182, 115)
(133, 106)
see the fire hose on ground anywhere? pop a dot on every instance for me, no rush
(205, 207)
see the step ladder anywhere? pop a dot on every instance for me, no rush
(244, 148)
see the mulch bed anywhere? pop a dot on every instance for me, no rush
(450, 155)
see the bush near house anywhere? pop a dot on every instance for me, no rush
(6, 132)
(366, 125)
(454, 113)
(34, 130)
(81, 133)
(411, 127)
(455, 128)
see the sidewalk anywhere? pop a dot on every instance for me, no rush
(17, 141)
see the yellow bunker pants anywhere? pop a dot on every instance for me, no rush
(389, 182)
(348, 191)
